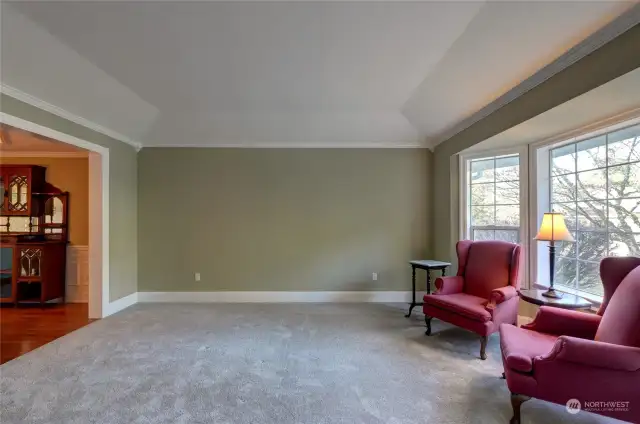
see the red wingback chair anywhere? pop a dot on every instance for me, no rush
(564, 355)
(483, 294)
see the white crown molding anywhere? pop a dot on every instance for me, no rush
(590, 44)
(260, 145)
(62, 113)
(38, 154)
(276, 297)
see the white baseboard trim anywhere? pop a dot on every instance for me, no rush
(120, 304)
(278, 297)
(262, 297)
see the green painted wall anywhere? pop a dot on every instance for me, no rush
(123, 242)
(281, 219)
(612, 60)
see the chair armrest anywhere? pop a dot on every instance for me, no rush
(564, 322)
(449, 285)
(502, 294)
(594, 354)
(498, 296)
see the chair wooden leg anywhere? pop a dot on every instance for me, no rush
(516, 402)
(427, 320)
(483, 347)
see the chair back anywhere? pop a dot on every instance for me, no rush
(612, 272)
(620, 322)
(488, 265)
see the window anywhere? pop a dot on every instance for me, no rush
(493, 198)
(593, 179)
(595, 183)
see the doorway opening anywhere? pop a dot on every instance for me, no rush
(54, 232)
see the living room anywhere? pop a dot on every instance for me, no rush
(281, 181)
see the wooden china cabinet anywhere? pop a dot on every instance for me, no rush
(33, 236)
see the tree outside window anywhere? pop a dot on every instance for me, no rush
(595, 183)
(494, 198)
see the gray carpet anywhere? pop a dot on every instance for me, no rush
(292, 363)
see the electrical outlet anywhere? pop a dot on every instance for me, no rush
(197, 276)
(374, 276)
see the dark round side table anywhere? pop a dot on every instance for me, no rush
(567, 301)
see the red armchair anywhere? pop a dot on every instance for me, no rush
(483, 294)
(565, 355)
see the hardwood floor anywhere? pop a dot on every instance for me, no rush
(27, 328)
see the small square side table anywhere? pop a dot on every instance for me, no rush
(428, 265)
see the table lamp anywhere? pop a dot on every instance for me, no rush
(553, 229)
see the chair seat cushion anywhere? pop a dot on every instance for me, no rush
(520, 346)
(467, 305)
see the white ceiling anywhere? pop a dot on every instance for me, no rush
(617, 98)
(285, 73)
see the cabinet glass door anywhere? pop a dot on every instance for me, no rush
(6, 272)
(54, 211)
(30, 261)
(18, 192)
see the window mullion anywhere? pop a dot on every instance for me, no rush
(495, 185)
(469, 198)
(606, 176)
(575, 206)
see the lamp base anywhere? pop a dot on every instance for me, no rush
(552, 294)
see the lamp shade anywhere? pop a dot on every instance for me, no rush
(553, 228)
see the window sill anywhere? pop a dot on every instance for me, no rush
(594, 299)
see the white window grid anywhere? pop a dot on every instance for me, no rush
(574, 203)
(475, 228)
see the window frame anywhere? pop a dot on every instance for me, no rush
(540, 188)
(464, 219)
(534, 195)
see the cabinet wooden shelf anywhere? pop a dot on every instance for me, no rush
(33, 236)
